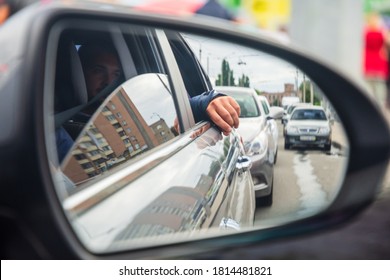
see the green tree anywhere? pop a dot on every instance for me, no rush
(244, 81)
(306, 87)
(258, 91)
(226, 78)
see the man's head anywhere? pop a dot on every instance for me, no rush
(101, 66)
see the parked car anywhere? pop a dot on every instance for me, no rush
(257, 135)
(271, 114)
(44, 216)
(308, 126)
(289, 110)
(289, 100)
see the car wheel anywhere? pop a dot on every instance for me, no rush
(265, 200)
(275, 157)
(286, 145)
(327, 147)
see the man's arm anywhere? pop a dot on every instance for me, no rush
(218, 108)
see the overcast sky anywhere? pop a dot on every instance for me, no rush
(266, 73)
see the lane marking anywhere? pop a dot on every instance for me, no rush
(313, 197)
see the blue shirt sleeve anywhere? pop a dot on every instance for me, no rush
(200, 102)
(64, 142)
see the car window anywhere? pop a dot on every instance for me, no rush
(80, 55)
(125, 126)
(265, 107)
(308, 115)
(195, 80)
(128, 108)
(290, 109)
(248, 105)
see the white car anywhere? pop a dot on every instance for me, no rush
(308, 126)
(256, 132)
(267, 110)
(289, 110)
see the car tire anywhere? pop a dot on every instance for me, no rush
(265, 200)
(286, 145)
(327, 147)
(275, 157)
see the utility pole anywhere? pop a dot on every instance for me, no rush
(304, 88)
(296, 82)
(311, 93)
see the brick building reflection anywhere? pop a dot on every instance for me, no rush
(275, 98)
(179, 209)
(118, 133)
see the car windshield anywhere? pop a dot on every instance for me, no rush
(308, 114)
(247, 104)
(290, 109)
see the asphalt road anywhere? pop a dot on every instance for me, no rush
(305, 180)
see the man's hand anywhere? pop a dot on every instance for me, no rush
(224, 111)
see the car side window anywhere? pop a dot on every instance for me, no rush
(126, 125)
(266, 110)
(134, 115)
(195, 79)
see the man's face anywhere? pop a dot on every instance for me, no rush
(101, 72)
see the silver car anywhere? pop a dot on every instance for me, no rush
(308, 126)
(256, 132)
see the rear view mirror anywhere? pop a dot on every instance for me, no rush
(121, 160)
(134, 179)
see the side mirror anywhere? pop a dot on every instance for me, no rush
(276, 112)
(182, 189)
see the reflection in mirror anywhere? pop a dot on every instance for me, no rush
(131, 180)
(123, 128)
(311, 160)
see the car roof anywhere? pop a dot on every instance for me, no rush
(300, 104)
(309, 106)
(239, 90)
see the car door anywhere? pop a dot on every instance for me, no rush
(267, 130)
(271, 124)
(132, 177)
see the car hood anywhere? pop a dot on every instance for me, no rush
(249, 128)
(312, 123)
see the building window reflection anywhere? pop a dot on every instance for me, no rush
(106, 144)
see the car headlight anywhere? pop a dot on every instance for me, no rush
(292, 130)
(256, 147)
(324, 130)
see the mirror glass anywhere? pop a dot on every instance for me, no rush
(136, 162)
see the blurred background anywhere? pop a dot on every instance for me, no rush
(351, 34)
